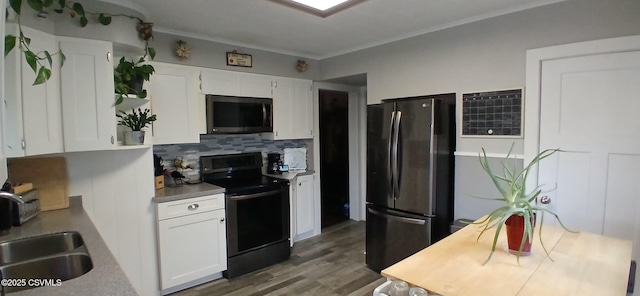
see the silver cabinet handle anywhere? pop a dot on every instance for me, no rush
(112, 140)
(221, 220)
(300, 184)
(109, 56)
(193, 207)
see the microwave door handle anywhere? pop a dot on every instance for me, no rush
(264, 114)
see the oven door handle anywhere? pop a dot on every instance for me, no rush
(255, 195)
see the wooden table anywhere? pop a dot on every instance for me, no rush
(583, 264)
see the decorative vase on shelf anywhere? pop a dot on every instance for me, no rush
(133, 138)
(515, 231)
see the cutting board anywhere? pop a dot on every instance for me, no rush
(48, 175)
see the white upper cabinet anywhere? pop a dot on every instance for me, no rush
(33, 123)
(88, 111)
(174, 98)
(283, 93)
(254, 85)
(303, 109)
(292, 109)
(219, 82)
(230, 83)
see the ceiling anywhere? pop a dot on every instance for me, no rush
(266, 25)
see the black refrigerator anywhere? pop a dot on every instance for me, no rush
(410, 169)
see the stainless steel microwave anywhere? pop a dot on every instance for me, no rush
(238, 115)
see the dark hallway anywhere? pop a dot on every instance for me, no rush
(334, 156)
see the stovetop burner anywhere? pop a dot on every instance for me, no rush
(238, 173)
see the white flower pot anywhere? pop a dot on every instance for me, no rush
(133, 138)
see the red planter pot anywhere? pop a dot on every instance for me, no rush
(515, 231)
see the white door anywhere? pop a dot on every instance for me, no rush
(589, 109)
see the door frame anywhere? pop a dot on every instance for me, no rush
(357, 107)
(534, 59)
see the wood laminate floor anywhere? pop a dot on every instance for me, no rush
(329, 264)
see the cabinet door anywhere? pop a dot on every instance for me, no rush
(219, 82)
(305, 212)
(302, 117)
(283, 93)
(41, 108)
(88, 112)
(192, 247)
(12, 124)
(34, 124)
(174, 95)
(253, 85)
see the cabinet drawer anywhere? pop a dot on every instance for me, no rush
(190, 206)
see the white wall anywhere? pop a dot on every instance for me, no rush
(485, 55)
(481, 56)
(210, 54)
(116, 189)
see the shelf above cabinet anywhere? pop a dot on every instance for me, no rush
(120, 146)
(130, 102)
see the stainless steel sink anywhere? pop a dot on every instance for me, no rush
(39, 246)
(58, 256)
(58, 267)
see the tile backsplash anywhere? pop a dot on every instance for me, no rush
(224, 144)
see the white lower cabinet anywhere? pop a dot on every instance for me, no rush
(191, 241)
(302, 196)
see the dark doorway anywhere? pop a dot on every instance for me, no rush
(334, 156)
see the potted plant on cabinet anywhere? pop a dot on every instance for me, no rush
(129, 77)
(520, 212)
(136, 121)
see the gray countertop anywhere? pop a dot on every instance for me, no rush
(186, 191)
(106, 277)
(291, 175)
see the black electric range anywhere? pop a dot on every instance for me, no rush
(257, 211)
(238, 173)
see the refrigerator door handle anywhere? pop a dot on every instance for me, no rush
(396, 218)
(396, 166)
(432, 159)
(390, 155)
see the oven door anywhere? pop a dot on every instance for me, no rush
(256, 220)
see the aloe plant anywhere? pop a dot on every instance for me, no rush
(519, 201)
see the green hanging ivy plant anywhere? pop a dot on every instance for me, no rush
(41, 62)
